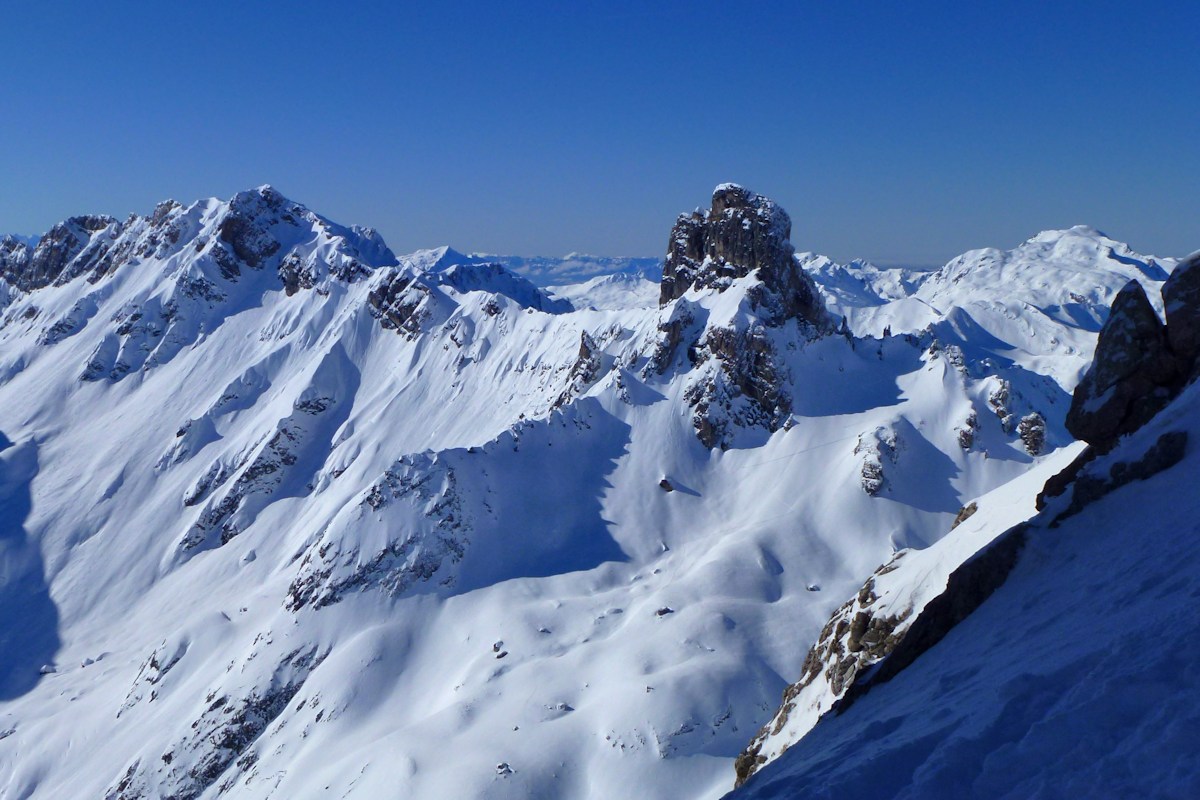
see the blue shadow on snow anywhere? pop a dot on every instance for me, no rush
(28, 616)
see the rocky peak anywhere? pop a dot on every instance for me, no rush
(33, 269)
(14, 256)
(260, 228)
(742, 233)
(495, 278)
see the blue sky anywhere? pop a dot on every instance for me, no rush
(897, 132)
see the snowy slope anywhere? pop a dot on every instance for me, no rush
(1075, 678)
(286, 512)
(894, 598)
(615, 292)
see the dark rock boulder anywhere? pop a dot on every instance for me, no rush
(741, 234)
(1134, 373)
(1181, 300)
(1032, 430)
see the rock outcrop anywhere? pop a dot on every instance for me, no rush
(1181, 301)
(34, 268)
(1140, 365)
(1134, 374)
(742, 382)
(584, 371)
(1088, 486)
(868, 641)
(743, 233)
(1032, 430)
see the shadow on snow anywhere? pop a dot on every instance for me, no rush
(28, 616)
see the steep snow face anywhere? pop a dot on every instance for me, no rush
(1038, 306)
(285, 515)
(1072, 679)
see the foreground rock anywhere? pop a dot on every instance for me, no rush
(1181, 301)
(1134, 374)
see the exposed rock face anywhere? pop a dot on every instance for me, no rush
(1134, 374)
(584, 371)
(14, 256)
(1032, 430)
(257, 229)
(405, 298)
(341, 563)
(1140, 365)
(866, 643)
(498, 279)
(30, 269)
(672, 332)
(857, 636)
(748, 389)
(742, 380)
(397, 302)
(1181, 300)
(966, 589)
(742, 233)
(224, 740)
(876, 447)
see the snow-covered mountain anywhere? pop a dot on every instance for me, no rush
(288, 515)
(1039, 305)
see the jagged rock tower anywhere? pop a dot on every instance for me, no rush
(743, 241)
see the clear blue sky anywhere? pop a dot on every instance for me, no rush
(893, 131)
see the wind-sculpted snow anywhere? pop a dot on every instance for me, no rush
(305, 515)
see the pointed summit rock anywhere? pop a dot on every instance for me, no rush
(741, 234)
